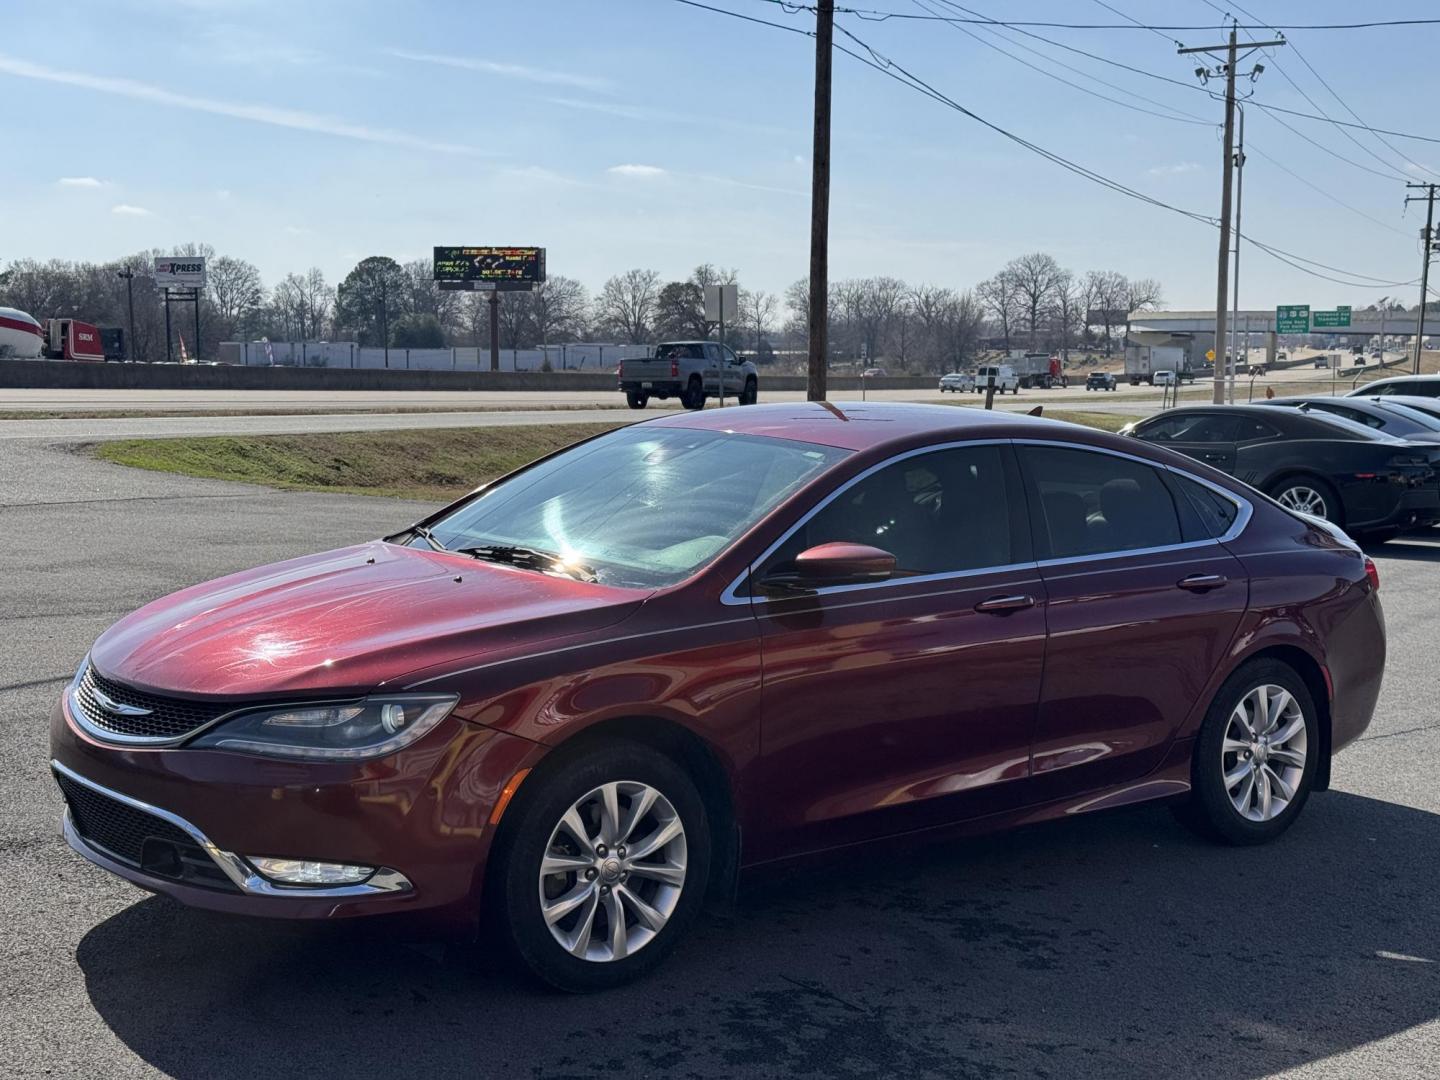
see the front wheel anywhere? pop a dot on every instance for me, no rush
(1309, 495)
(751, 393)
(637, 399)
(603, 867)
(1255, 757)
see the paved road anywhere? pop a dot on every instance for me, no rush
(1115, 946)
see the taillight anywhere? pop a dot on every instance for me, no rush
(1373, 573)
(674, 367)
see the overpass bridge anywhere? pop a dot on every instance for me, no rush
(1364, 324)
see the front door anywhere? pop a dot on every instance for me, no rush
(907, 703)
(1143, 603)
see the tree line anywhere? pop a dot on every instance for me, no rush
(1031, 303)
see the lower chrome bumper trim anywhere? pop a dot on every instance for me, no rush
(246, 878)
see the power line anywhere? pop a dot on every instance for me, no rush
(1183, 118)
(889, 68)
(1333, 198)
(1140, 24)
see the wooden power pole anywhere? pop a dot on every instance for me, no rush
(1427, 245)
(1227, 176)
(820, 204)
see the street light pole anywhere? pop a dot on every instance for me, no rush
(129, 276)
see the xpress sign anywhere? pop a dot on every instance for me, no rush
(180, 272)
(490, 264)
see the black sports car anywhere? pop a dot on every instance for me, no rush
(1389, 414)
(1363, 480)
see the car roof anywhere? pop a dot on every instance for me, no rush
(861, 425)
(1280, 417)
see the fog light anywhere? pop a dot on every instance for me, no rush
(306, 872)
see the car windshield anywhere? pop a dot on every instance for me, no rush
(641, 507)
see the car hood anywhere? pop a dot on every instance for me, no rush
(345, 621)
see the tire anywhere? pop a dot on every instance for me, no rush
(693, 396)
(1300, 492)
(536, 827)
(637, 399)
(1214, 809)
(751, 393)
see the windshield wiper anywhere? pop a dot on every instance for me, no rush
(530, 559)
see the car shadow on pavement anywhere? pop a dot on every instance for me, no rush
(1115, 945)
(1414, 546)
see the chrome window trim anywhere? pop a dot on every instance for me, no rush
(1244, 511)
(245, 877)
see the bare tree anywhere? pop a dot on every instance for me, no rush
(1143, 294)
(1036, 277)
(315, 300)
(757, 314)
(235, 290)
(1108, 295)
(1068, 309)
(627, 303)
(557, 308)
(1003, 301)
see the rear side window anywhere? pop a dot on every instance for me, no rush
(1215, 513)
(1091, 503)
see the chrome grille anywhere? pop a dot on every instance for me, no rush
(166, 718)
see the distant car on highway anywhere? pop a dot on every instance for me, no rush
(1002, 375)
(1258, 369)
(1100, 380)
(1322, 361)
(1414, 385)
(957, 381)
(1377, 355)
(874, 372)
(1365, 481)
(691, 371)
(1163, 378)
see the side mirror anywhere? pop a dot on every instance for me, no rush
(831, 564)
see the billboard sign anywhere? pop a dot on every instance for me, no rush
(498, 264)
(180, 272)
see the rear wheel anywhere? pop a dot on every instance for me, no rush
(1255, 757)
(604, 866)
(693, 396)
(637, 399)
(1308, 495)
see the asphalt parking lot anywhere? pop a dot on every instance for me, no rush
(1109, 946)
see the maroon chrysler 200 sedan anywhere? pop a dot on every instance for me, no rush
(587, 696)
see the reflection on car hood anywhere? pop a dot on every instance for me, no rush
(344, 621)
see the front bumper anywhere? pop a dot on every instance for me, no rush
(420, 817)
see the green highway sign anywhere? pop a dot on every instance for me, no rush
(1293, 319)
(1339, 317)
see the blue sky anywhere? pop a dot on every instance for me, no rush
(622, 133)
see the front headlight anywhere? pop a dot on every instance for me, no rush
(340, 731)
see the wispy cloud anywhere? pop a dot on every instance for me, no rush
(645, 115)
(1178, 169)
(294, 119)
(644, 171)
(126, 210)
(540, 174)
(508, 71)
(80, 182)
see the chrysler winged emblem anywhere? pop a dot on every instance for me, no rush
(110, 705)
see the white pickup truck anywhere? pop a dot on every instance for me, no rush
(690, 371)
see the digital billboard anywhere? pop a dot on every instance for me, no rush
(497, 264)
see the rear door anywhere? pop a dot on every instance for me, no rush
(907, 703)
(1143, 603)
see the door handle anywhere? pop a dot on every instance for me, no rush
(999, 605)
(1202, 582)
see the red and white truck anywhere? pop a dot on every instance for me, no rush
(24, 337)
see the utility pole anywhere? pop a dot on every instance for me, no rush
(1227, 68)
(820, 204)
(1427, 242)
(1235, 312)
(129, 276)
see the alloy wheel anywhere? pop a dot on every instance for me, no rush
(613, 871)
(1304, 499)
(1263, 752)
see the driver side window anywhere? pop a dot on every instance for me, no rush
(944, 511)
